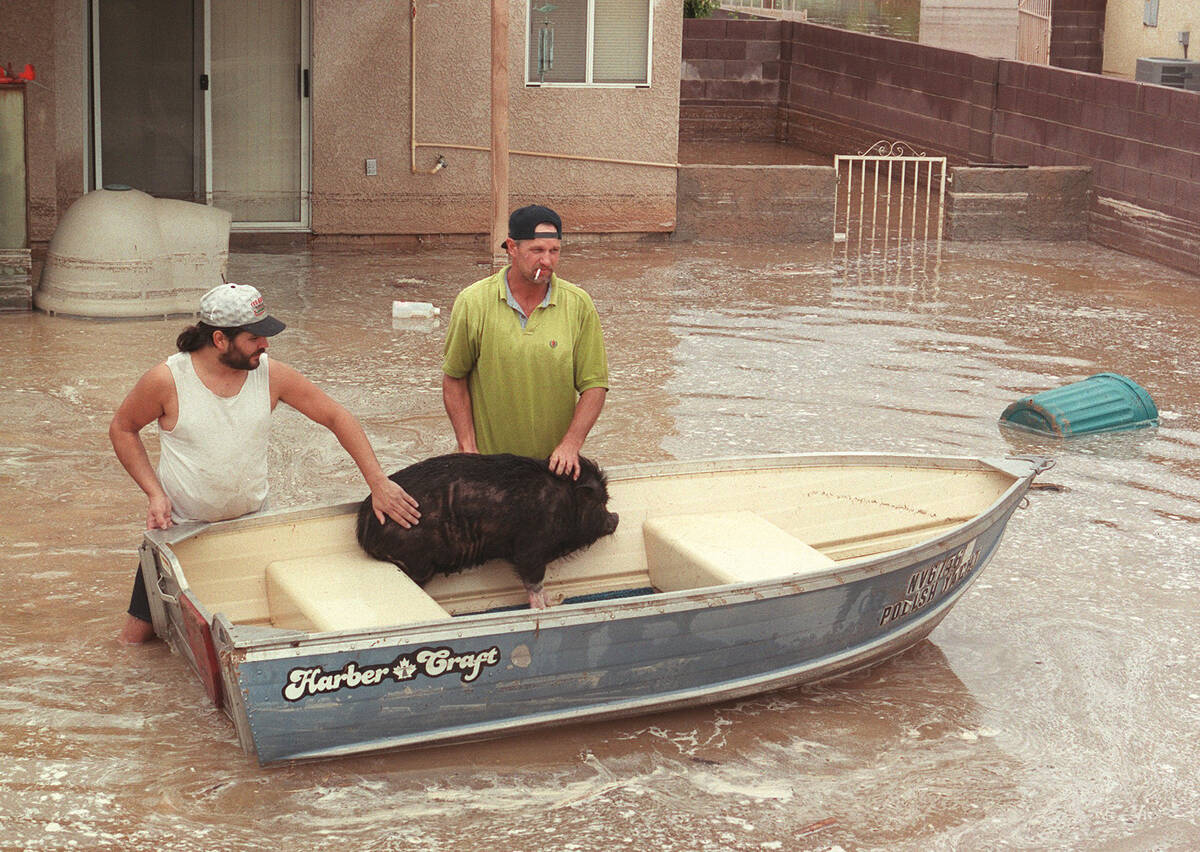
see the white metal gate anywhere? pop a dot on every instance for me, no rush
(1033, 31)
(888, 196)
(888, 212)
(786, 10)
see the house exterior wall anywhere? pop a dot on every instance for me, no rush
(51, 37)
(1126, 38)
(360, 110)
(841, 91)
(361, 101)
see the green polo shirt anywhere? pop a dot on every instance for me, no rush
(524, 382)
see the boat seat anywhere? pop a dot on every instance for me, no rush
(717, 548)
(344, 591)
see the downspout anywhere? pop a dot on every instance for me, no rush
(412, 99)
(499, 130)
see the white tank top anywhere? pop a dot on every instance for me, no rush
(213, 464)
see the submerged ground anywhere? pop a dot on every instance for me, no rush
(1057, 705)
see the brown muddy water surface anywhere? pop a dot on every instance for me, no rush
(1057, 706)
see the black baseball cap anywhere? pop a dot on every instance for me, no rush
(522, 224)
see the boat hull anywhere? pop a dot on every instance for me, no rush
(295, 695)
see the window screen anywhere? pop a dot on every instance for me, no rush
(621, 30)
(589, 41)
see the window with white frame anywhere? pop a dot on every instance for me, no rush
(589, 42)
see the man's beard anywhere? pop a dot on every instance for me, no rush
(237, 361)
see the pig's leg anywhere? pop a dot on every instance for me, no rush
(537, 596)
(531, 569)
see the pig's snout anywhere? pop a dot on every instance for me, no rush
(610, 524)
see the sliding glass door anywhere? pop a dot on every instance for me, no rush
(205, 101)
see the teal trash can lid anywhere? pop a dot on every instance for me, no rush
(1105, 402)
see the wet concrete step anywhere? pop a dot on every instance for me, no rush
(16, 280)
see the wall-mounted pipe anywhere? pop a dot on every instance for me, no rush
(499, 156)
(552, 156)
(412, 86)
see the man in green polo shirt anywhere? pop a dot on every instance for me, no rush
(525, 370)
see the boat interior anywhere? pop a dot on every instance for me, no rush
(304, 570)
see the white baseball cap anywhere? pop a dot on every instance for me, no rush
(238, 306)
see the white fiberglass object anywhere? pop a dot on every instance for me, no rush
(119, 252)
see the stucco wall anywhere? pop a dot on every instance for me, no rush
(1126, 37)
(361, 100)
(360, 110)
(49, 36)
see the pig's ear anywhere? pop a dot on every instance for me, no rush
(592, 486)
(591, 469)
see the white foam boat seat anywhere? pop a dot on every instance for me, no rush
(344, 591)
(717, 548)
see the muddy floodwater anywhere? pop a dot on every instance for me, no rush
(1057, 706)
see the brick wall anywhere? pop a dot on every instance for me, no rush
(755, 203)
(1142, 143)
(841, 91)
(1077, 34)
(847, 89)
(1047, 203)
(730, 80)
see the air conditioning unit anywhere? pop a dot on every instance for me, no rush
(1180, 73)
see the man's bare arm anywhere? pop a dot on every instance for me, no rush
(565, 458)
(456, 396)
(144, 404)
(387, 498)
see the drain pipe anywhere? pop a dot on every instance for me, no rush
(412, 100)
(546, 155)
(499, 139)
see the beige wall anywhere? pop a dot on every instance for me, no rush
(361, 110)
(48, 35)
(1126, 38)
(982, 27)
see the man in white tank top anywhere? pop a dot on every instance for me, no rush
(213, 406)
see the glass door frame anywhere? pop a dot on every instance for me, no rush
(202, 144)
(305, 218)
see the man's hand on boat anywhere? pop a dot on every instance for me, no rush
(158, 515)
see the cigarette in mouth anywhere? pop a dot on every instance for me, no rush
(537, 275)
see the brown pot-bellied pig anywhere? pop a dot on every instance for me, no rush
(475, 508)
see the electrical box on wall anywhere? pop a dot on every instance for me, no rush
(372, 167)
(1150, 15)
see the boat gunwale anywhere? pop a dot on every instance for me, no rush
(626, 473)
(275, 643)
